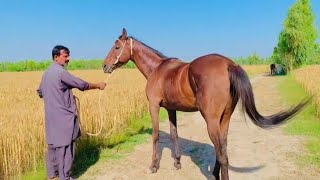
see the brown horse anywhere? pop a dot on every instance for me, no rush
(273, 69)
(211, 84)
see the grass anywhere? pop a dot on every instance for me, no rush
(115, 147)
(38, 175)
(306, 123)
(75, 64)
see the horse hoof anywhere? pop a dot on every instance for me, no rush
(216, 178)
(177, 165)
(153, 169)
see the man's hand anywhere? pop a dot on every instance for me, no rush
(102, 85)
(99, 85)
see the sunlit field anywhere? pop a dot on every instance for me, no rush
(301, 83)
(22, 138)
(256, 69)
(308, 77)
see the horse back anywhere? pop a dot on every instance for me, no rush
(210, 72)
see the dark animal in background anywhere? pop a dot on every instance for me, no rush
(273, 69)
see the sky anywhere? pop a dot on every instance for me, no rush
(185, 29)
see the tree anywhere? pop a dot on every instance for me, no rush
(255, 59)
(297, 41)
(315, 57)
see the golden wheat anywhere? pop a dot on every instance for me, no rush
(308, 77)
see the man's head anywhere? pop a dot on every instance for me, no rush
(61, 55)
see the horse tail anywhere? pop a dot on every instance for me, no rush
(240, 87)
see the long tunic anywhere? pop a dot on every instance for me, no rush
(61, 121)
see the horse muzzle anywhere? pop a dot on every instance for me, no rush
(109, 68)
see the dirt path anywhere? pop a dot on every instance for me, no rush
(253, 153)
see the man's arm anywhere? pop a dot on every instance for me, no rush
(75, 82)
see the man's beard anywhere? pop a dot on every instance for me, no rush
(66, 65)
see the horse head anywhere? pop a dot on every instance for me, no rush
(119, 54)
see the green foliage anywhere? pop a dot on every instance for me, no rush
(315, 57)
(129, 65)
(253, 59)
(297, 41)
(85, 64)
(81, 64)
(32, 65)
(27, 65)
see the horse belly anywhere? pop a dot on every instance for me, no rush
(181, 99)
(180, 105)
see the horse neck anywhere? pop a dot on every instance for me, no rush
(145, 59)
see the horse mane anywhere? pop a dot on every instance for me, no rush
(160, 54)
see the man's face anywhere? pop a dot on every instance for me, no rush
(63, 59)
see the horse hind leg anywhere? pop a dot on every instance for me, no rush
(174, 138)
(224, 127)
(217, 119)
(217, 135)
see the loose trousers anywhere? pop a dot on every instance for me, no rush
(59, 161)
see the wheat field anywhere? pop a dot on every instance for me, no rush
(308, 77)
(22, 138)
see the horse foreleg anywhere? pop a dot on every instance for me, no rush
(154, 111)
(174, 137)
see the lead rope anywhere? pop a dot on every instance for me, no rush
(100, 109)
(100, 112)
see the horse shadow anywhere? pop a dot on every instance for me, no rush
(202, 154)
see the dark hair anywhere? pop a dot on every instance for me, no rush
(56, 50)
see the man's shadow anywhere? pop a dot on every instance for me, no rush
(201, 154)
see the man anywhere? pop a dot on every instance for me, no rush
(61, 121)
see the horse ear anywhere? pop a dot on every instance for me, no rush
(124, 34)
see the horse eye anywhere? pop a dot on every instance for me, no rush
(117, 47)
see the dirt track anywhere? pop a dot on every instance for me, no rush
(253, 153)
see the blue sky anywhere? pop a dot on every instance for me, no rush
(178, 28)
